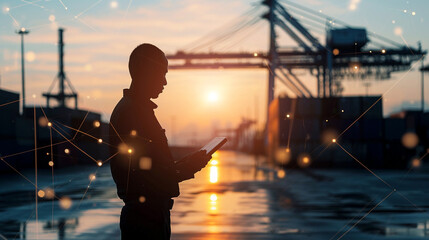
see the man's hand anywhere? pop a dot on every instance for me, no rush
(195, 161)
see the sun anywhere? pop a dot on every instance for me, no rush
(213, 97)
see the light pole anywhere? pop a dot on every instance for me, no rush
(22, 32)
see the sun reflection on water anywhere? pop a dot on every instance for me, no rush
(214, 174)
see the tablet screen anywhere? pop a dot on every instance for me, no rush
(214, 145)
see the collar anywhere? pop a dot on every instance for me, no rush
(144, 102)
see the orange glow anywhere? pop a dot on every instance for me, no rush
(304, 160)
(41, 193)
(92, 177)
(99, 163)
(65, 203)
(97, 124)
(213, 97)
(336, 52)
(213, 197)
(214, 174)
(281, 173)
(214, 162)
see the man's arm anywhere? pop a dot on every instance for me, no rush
(191, 164)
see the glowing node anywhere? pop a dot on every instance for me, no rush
(66, 151)
(145, 163)
(370, 51)
(214, 162)
(326, 120)
(34, 95)
(49, 193)
(213, 197)
(282, 155)
(65, 203)
(100, 140)
(413, 13)
(133, 133)
(47, 154)
(96, 124)
(23, 29)
(213, 97)
(304, 160)
(334, 140)
(99, 163)
(383, 51)
(281, 173)
(130, 150)
(255, 54)
(335, 51)
(213, 208)
(393, 21)
(405, 10)
(416, 163)
(6, 9)
(92, 177)
(142, 199)
(410, 140)
(288, 115)
(51, 163)
(41, 193)
(342, 110)
(113, 4)
(49, 124)
(52, 18)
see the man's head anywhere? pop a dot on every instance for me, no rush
(148, 67)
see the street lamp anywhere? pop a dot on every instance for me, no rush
(22, 32)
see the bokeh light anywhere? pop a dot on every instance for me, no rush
(415, 163)
(92, 177)
(65, 203)
(49, 193)
(96, 124)
(41, 194)
(410, 140)
(281, 173)
(283, 155)
(145, 163)
(304, 160)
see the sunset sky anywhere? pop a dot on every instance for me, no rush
(100, 35)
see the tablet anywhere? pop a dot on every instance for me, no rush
(214, 145)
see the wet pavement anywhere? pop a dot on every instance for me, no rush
(235, 197)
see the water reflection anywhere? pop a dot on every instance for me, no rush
(214, 174)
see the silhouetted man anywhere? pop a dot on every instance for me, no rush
(144, 171)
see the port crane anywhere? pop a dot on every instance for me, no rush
(346, 53)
